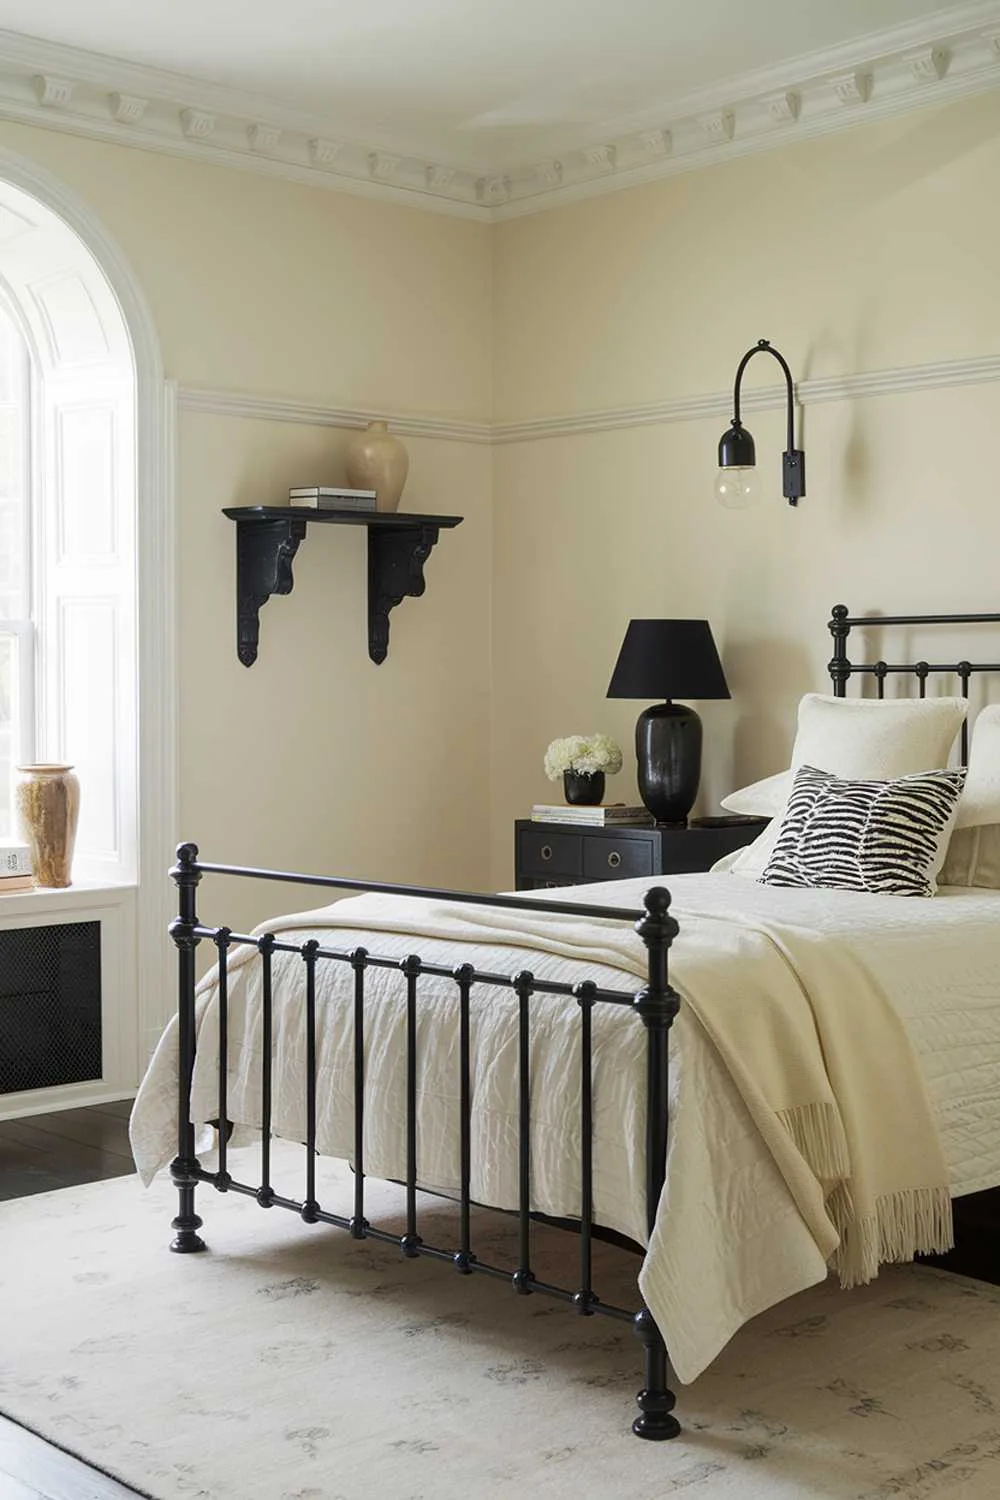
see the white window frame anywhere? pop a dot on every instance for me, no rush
(26, 188)
(24, 631)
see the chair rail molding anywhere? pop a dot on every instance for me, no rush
(898, 380)
(891, 382)
(220, 403)
(155, 478)
(948, 55)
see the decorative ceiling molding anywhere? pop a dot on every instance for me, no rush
(944, 56)
(893, 382)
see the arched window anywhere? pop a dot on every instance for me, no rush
(87, 599)
(17, 718)
(68, 648)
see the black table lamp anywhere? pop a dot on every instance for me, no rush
(668, 659)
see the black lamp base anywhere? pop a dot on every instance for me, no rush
(668, 751)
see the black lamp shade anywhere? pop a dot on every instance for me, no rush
(666, 659)
(736, 449)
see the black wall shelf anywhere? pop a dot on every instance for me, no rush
(268, 537)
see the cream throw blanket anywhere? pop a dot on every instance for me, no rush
(820, 1057)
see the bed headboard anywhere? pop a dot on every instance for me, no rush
(841, 667)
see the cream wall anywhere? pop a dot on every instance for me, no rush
(870, 250)
(865, 251)
(314, 758)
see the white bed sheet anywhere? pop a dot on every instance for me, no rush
(729, 1240)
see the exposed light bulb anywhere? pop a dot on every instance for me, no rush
(736, 488)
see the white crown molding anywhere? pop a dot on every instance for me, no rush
(897, 381)
(83, 93)
(945, 56)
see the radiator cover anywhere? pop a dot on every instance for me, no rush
(50, 1005)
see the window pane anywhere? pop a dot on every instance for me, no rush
(8, 730)
(13, 447)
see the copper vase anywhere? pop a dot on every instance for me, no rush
(48, 807)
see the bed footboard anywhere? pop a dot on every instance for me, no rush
(656, 1004)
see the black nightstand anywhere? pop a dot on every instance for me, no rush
(554, 854)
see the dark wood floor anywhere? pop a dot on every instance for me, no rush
(88, 1145)
(64, 1149)
(38, 1155)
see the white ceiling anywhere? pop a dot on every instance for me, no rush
(482, 84)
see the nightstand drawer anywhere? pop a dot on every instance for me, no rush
(611, 858)
(542, 854)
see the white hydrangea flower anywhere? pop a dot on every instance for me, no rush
(585, 753)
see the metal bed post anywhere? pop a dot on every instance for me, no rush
(839, 667)
(185, 1168)
(657, 1005)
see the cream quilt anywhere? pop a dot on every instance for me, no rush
(752, 1210)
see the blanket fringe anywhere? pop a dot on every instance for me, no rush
(818, 1133)
(916, 1221)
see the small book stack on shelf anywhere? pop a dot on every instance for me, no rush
(605, 815)
(15, 868)
(330, 497)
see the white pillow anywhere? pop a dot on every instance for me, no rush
(761, 799)
(871, 739)
(981, 799)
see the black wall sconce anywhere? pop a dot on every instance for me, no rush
(737, 484)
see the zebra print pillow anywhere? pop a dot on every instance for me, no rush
(887, 837)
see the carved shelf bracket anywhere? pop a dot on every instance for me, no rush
(268, 537)
(395, 572)
(265, 551)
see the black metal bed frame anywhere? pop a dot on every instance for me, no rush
(656, 1005)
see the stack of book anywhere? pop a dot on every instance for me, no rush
(15, 868)
(605, 815)
(331, 497)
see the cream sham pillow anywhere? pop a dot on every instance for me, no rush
(973, 857)
(981, 799)
(974, 851)
(871, 739)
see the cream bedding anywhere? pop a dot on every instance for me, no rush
(730, 1238)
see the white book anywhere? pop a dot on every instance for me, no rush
(329, 492)
(607, 815)
(635, 822)
(366, 507)
(15, 859)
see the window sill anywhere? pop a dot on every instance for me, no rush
(80, 893)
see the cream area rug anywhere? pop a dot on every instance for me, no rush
(291, 1363)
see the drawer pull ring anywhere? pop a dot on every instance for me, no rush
(546, 851)
(614, 859)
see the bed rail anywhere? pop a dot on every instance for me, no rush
(656, 1004)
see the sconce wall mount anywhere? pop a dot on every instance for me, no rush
(737, 484)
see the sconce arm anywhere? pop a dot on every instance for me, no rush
(764, 346)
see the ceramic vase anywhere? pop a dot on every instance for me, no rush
(583, 788)
(375, 460)
(48, 807)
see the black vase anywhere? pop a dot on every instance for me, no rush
(668, 752)
(583, 788)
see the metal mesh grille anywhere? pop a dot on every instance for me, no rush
(50, 1005)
